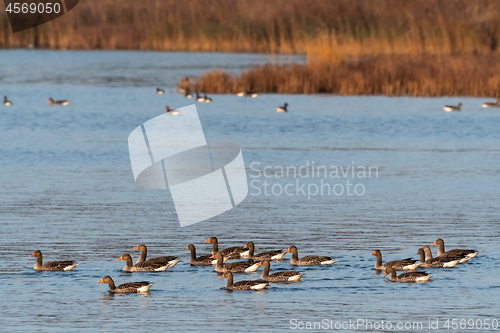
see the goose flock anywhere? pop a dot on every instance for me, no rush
(444, 258)
(218, 259)
(451, 108)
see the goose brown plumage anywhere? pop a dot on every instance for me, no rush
(61, 102)
(243, 285)
(200, 261)
(460, 252)
(66, 265)
(436, 262)
(146, 266)
(235, 267)
(407, 277)
(308, 260)
(278, 276)
(428, 255)
(269, 255)
(229, 253)
(131, 287)
(170, 261)
(398, 265)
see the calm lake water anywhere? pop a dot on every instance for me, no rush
(68, 190)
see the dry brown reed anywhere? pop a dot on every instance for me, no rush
(383, 75)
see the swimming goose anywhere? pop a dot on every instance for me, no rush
(243, 285)
(235, 267)
(442, 252)
(270, 255)
(171, 261)
(131, 287)
(435, 262)
(399, 265)
(61, 102)
(6, 102)
(241, 94)
(278, 276)
(183, 86)
(200, 98)
(207, 99)
(160, 91)
(188, 93)
(67, 265)
(282, 108)
(229, 253)
(449, 108)
(252, 94)
(308, 260)
(492, 105)
(428, 255)
(146, 266)
(172, 112)
(200, 261)
(407, 277)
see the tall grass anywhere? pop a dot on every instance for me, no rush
(320, 28)
(383, 75)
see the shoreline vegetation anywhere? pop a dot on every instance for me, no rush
(389, 47)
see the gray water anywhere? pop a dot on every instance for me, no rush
(68, 190)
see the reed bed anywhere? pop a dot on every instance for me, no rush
(383, 75)
(328, 29)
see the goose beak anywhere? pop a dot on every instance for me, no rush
(373, 253)
(245, 246)
(434, 243)
(101, 281)
(207, 241)
(187, 248)
(385, 274)
(120, 258)
(222, 276)
(287, 250)
(212, 256)
(32, 255)
(259, 264)
(136, 247)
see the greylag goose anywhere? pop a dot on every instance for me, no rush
(282, 108)
(399, 265)
(61, 102)
(160, 91)
(270, 255)
(428, 255)
(188, 93)
(6, 102)
(146, 266)
(243, 285)
(492, 105)
(131, 287)
(235, 267)
(449, 108)
(200, 261)
(435, 262)
(308, 260)
(407, 277)
(229, 253)
(207, 99)
(460, 252)
(278, 276)
(200, 98)
(170, 261)
(66, 265)
(172, 112)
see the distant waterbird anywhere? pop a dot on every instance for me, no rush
(172, 112)
(160, 91)
(492, 105)
(200, 98)
(450, 108)
(6, 102)
(188, 93)
(282, 108)
(61, 102)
